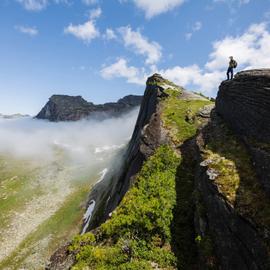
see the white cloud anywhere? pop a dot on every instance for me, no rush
(95, 13)
(37, 5)
(195, 76)
(120, 69)
(109, 34)
(140, 44)
(31, 31)
(89, 2)
(251, 49)
(86, 31)
(197, 26)
(33, 5)
(78, 141)
(156, 7)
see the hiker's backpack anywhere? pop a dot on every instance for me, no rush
(234, 64)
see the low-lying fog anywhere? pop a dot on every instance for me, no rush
(81, 141)
(42, 165)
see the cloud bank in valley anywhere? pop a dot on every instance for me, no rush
(82, 141)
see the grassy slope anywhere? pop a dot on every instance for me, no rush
(17, 189)
(138, 236)
(63, 225)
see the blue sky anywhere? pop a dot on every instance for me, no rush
(104, 50)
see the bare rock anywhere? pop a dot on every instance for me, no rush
(73, 108)
(244, 103)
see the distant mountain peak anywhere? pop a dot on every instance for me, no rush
(73, 108)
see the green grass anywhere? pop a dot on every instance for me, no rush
(16, 188)
(63, 225)
(138, 232)
(180, 116)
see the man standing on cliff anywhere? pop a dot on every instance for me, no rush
(232, 65)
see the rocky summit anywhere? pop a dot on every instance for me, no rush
(245, 105)
(73, 108)
(192, 190)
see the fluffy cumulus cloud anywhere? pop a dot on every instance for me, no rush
(141, 45)
(95, 13)
(120, 69)
(37, 5)
(251, 50)
(31, 31)
(194, 76)
(86, 31)
(153, 8)
(109, 34)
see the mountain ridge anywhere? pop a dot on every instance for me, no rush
(188, 194)
(74, 108)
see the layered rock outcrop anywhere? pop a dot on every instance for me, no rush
(73, 108)
(147, 136)
(231, 206)
(245, 104)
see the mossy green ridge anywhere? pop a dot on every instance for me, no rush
(159, 204)
(138, 234)
(180, 115)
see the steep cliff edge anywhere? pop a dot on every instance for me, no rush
(245, 104)
(73, 108)
(187, 194)
(168, 116)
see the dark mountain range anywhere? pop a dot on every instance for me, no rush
(73, 108)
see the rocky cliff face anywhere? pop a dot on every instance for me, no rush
(245, 104)
(190, 192)
(73, 108)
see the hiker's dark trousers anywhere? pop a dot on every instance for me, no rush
(230, 71)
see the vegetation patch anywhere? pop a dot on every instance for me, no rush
(138, 234)
(15, 187)
(180, 116)
(159, 205)
(54, 231)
